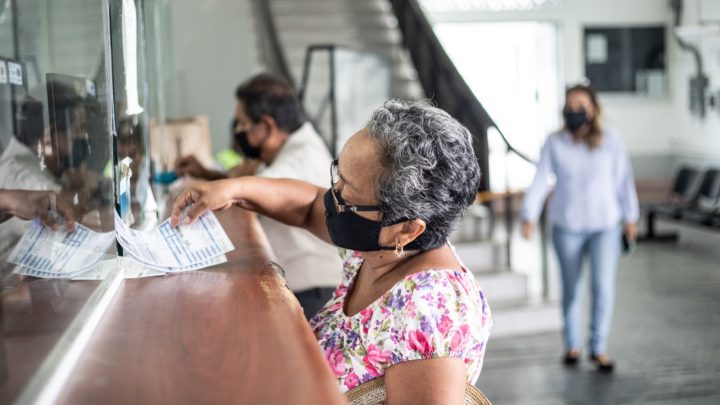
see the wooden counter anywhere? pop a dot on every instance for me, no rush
(230, 334)
(34, 314)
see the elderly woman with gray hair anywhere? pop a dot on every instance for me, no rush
(406, 310)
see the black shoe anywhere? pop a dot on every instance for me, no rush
(571, 358)
(604, 364)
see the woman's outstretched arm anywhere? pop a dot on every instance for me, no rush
(291, 202)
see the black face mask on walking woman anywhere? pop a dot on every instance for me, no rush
(251, 152)
(575, 119)
(351, 231)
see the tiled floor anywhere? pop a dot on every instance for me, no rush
(665, 338)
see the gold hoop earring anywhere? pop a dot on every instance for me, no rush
(399, 250)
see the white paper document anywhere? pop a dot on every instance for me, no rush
(59, 254)
(131, 269)
(184, 248)
(197, 266)
(43, 252)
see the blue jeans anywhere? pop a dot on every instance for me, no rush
(603, 250)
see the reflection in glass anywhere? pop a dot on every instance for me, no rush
(55, 145)
(71, 77)
(131, 112)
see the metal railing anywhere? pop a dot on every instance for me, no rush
(445, 86)
(349, 103)
(272, 52)
(442, 83)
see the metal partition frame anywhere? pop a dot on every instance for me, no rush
(330, 100)
(444, 84)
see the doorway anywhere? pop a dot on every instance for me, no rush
(514, 70)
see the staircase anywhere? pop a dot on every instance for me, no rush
(517, 309)
(363, 25)
(371, 25)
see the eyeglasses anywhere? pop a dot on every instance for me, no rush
(339, 202)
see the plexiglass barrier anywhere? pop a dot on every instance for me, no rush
(74, 123)
(341, 88)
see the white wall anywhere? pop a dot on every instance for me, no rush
(213, 50)
(652, 128)
(698, 139)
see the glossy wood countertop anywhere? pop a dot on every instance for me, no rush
(230, 334)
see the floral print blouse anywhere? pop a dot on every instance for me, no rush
(432, 313)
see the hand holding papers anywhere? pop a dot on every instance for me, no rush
(187, 247)
(200, 198)
(29, 204)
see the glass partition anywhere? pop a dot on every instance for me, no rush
(341, 88)
(74, 119)
(362, 84)
(135, 204)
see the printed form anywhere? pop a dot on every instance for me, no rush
(184, 248)
(43, 252)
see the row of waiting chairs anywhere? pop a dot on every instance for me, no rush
(694, 198)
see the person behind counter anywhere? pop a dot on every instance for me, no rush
(406, 309)
(28, 164)
(234, 160)
(30, 204)
(278, 142)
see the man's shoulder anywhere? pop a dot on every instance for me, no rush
(307, 137)
(25, 173)
(306, 145)
(304, 157)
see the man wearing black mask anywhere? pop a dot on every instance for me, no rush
(35, 173)
(249, 159)
(277, 142)
(68, 134)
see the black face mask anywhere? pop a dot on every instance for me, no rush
(351, 231)
(251, 152)
(79, 154)
(575, 119)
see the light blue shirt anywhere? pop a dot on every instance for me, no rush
(594, 188)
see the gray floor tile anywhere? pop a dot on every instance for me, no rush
(665, 338)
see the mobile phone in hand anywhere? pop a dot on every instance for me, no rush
(628, 245)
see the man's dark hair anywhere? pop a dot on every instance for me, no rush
(63, 106)
(273, 96)
(29, 121)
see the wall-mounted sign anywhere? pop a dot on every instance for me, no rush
(90, 88)
(596, 48)
(3, 72)
(626, 59)
(15, 74)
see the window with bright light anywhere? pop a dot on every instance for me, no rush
(512, 67)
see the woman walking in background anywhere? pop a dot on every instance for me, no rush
(593, 203)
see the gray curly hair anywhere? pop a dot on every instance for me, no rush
(429, 168)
